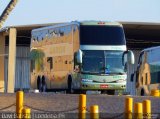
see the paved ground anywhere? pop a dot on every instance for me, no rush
(47, 102)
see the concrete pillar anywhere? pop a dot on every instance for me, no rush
(11, 60)
(2, 58)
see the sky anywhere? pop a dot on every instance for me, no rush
(52, 11)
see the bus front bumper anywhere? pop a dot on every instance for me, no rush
(103, 86)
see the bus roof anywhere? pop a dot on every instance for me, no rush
(107, 23)
(151, 48)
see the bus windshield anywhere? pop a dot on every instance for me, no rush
(102, 62)
(106, 35)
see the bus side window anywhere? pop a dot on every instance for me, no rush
(137, 75)
(140, 60)
(50, 60)
(146, 81)
(32, 65)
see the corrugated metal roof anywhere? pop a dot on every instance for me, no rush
(139, 34)
(27, 27)
(141, 25)
(4, 29)
(134, 25)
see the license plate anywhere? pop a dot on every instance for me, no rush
(104, 86)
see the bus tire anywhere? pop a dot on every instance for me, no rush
(110, 92)
(142, 92)
(39, 83)
(69, 81)
(44, 85)
(83, 91)
(103, 91)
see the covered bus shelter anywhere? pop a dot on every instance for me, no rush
(139, 36)
(15, 48)
(14, 51)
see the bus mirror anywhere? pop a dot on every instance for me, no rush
(130, 57)
(124, 58)
(79, 56)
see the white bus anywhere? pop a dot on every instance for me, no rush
(147, 74)
(89, 55)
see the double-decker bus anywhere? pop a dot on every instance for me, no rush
(76, 56)
(147, 74)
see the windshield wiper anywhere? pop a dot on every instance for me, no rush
(121, 73)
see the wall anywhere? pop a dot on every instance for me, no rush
(131, 68)
(22, 78)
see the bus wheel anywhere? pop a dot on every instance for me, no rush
(69, 84)
(44, 85)
(103, 91)
(110, 92)
(142, 92)
(39, 83)
(83, 91)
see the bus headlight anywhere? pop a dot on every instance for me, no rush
(121, 80)
(87, 80)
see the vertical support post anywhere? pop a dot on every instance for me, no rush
(2, 59)
(19, 103)
(128, 108)
(11, 60)
(138, 111)
(94, 112)
(82, 106)
(147, 109)
(26, 113)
